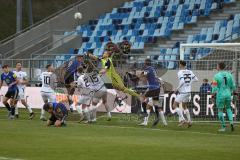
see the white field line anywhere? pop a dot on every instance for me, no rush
(8, 158)
(150, 129)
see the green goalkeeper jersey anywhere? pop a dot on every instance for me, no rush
(223, 84)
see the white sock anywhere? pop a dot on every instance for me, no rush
(71, 106)
(180, 114)
(146, 118)
(188, 115)
(79, 109)
(94, 114)
(163, 117)
(87, 113)
(29, 108)
(42, 113)
(109, 115)
(16, 110)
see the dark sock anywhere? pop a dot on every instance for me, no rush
(13, 110)
(70, 102)
(144, 106)
(8, 107)
(156, 111)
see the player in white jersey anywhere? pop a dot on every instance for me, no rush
(92, 91)
(22, 76)
(49, 82)
(185, 77)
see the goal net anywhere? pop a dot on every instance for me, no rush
(202, 59)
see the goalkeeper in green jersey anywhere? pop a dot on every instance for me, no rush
(223, 86)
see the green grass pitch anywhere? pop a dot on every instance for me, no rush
(118, 139)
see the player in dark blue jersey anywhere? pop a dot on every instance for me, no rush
(12, 93)
(69, 77)
(58, 113)
(152, 92)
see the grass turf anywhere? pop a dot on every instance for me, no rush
(118, 139)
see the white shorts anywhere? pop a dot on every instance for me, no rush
(21, 94)
(84, 99)
(101, 94)
(183, 98)
(47, 96)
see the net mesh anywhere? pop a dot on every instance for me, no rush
(203, 60)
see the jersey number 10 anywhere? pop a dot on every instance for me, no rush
(47, 80)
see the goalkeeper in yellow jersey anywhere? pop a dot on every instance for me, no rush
(111, 73)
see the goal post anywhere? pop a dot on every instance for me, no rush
(226, 52)
(223, 46)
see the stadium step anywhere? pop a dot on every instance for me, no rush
(192, 29)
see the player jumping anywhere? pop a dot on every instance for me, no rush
(223, 86)
(12, 93)
(22, 76)
(58, 113)
(49, 82)
(109, 70)
(92, 90)
(185, 77)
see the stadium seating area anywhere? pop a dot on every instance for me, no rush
(145, 21)
(222, 31)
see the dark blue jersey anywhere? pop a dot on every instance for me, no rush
(72, 66)
(152, 78)
(9, 78)
(59, 110)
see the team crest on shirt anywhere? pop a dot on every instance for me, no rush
(58, 110)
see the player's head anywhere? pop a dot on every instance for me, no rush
(48, 107)
(205, 80)
(221, 66)
(147, 62)
(5, 68)
(88, 66)
(182, 64)
(79, 58)
(106, 54)
(18, 66)
(49, 68)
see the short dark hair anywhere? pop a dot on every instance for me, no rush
(46, 106)
(221, 65)
(148, 62)
(205, 79)
(48, 65)
(183, 63)
(4, 66)
(79, 55)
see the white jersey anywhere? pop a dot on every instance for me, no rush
(90, 82)
(48, 82)
(21, 75)
(185, 77)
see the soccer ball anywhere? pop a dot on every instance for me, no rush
(78, 16)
